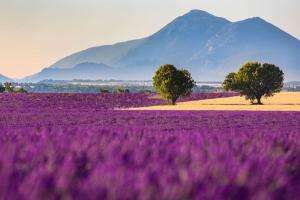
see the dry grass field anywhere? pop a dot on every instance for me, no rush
(284, 101)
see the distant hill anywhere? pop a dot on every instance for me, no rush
(293, 83)
(4, 79)
(88, 71)
(207, 45)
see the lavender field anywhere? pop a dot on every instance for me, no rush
(78, 146)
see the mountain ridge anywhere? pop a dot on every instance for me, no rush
(207, 45)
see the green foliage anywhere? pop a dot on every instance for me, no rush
(2, 89)
(20, 90)
(121, 90)
(172, 83)
(229, 81)
(255, 80)
(8, 87)
(104, 91)
(145, 91)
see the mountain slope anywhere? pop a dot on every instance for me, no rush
(108, 54)
(207, 45)
(4, 79)
(88, 71)
(177, 41)
(250, 40)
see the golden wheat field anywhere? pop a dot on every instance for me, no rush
(284, 101)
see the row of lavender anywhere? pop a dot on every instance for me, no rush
(34, 101)
(63, 153)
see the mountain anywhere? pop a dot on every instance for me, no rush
(209, 46)
(4, 79)
(87, 70)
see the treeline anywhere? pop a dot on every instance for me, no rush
(10, 88)
(80, 88)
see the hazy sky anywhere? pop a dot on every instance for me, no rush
(36, 33)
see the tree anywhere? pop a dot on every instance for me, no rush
(2, 89)
(121, 90)
(8, 87)
(104, 91)
(172, 83)
(255, 80)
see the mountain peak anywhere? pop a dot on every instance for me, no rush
(256, 20)
(200, 16)
(207, 45)
(196, 18)
(198, 12)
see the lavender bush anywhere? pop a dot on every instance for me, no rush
(75, 146)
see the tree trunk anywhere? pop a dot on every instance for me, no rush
(173, 101)
(259, 100)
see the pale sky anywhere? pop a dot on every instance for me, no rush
(36, 33)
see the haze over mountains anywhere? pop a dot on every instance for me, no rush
(209, 46)
(4, 79)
